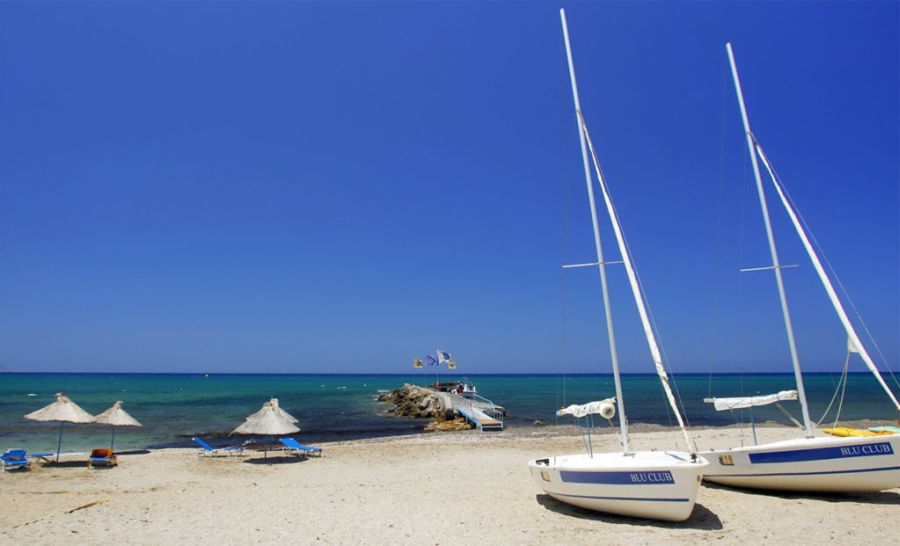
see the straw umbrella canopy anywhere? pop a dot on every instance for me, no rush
(270, 420)
(62, 411)
(117, 417)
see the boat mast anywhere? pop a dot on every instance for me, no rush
(636, 288)
(614, 354)
(776, 265)
(826, 282)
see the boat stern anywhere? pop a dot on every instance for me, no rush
(824, 465)
(650, 485)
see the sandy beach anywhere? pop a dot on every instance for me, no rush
(443, 488)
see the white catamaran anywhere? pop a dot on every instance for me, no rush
(648, 484)
(823, 464)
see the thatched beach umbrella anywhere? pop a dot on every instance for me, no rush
(62, 411)
(270, 420)
(284, 415)
(117, 417)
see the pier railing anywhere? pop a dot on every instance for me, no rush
(471, 405)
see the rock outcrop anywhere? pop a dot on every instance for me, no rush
(417, 402)
(456, 424)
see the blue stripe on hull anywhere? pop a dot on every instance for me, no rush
(645, 499)
(822, 453)
(802, 473)
(661, 477)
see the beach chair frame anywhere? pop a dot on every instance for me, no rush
(207, 450)
(102, 456)
(15, 459)
(292, 446)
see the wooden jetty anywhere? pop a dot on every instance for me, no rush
(477, 410)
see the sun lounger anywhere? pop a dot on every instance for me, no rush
(298, 448)
(15, 459)
(102, 456)
(44, 457)
(209, 451)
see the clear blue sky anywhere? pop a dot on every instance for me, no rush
(301, 187)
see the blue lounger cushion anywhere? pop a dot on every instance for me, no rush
(297, 446)
(102, 456)
(15, 458)
(206, 449)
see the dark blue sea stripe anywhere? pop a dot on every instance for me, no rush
(651, 499)
(802, 473)
(618, 478)
(822, 453)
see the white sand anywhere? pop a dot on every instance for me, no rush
(443, 488)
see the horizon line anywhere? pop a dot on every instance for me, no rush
(401, 374)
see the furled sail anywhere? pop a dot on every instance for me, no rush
(740, 402)
(604, 408)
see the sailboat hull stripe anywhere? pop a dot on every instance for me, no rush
(644, 499)
(661, 477)
(859, 450)
(802, 473)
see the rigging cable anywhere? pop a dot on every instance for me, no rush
(655, 330)
(842, 382)
(566, 164)
(834, 274)
(717, 264)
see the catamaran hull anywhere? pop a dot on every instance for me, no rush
(650, 484)
(828, 465)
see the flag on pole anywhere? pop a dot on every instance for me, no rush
(432, 361)
(443, 357)
(417, 363)
(451, 364)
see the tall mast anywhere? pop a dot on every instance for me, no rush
(614, 354)
(776, 265)
(636, 288)
(855, 342)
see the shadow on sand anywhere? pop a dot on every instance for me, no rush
(65, 464)
(878, 497)
(133, 452)
(276, 459)
(701, 518)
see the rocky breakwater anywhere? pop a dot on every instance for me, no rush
(417, 402)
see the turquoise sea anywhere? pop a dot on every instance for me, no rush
(172, 408)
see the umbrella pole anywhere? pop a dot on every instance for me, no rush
(112, 443)
(59, 440)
